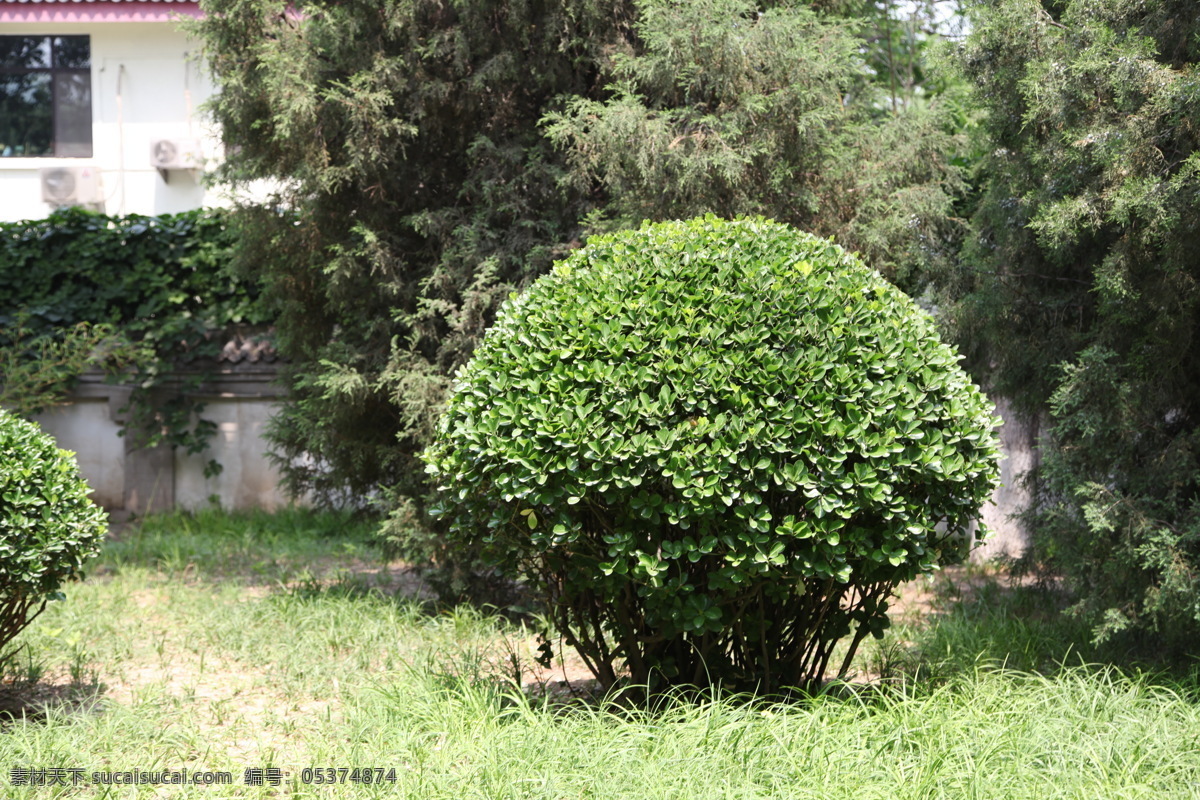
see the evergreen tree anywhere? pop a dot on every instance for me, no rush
(1080, 288)
(429, 158)
(413, 192)
(732, 109)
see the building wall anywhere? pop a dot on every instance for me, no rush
(128, 477)
(147, 84)
(247, 479)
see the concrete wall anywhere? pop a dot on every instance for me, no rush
(86, 428)
(126, 476)
(247, 479)
(147, 84)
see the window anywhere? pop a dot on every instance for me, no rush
(45, 96)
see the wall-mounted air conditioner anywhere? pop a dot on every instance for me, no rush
(71, 186)
(176, 154)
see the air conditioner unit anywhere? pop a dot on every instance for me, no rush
(71, 186)
(176, 154)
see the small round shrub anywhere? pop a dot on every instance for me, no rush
(715, 447)
(48, 526)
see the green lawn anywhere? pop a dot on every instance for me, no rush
(226, 643)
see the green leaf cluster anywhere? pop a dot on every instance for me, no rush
(1080, 290)
(39, 370)
(49, 528)
(145, 297)
(714, 446)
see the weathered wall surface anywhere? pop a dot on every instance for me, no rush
(126, 476)
(247, 478)
(86, 428)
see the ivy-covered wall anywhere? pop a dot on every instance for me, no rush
(131, 340)
(150, 299)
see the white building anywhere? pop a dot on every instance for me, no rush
(99, 106)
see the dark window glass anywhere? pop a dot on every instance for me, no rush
(72, 52)
(45, 96)
(25, 52)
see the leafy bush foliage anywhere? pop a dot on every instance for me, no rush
(39, 369)
(716, 447)
(48, 526)
(162, 278)
(137, 293)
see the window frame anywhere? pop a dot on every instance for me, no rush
(53, 72)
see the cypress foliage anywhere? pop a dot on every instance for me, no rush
(401, 138)
(1081, 289)
(729, 108)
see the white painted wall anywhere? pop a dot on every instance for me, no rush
(247, 479)
(146, 84)
(87, 429)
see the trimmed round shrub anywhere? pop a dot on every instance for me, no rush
(48, 526)
(715, 447)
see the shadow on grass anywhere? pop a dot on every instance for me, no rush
(26, 692)
(986, 616)
(253, 547)
(401, 587)
(301, 552)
